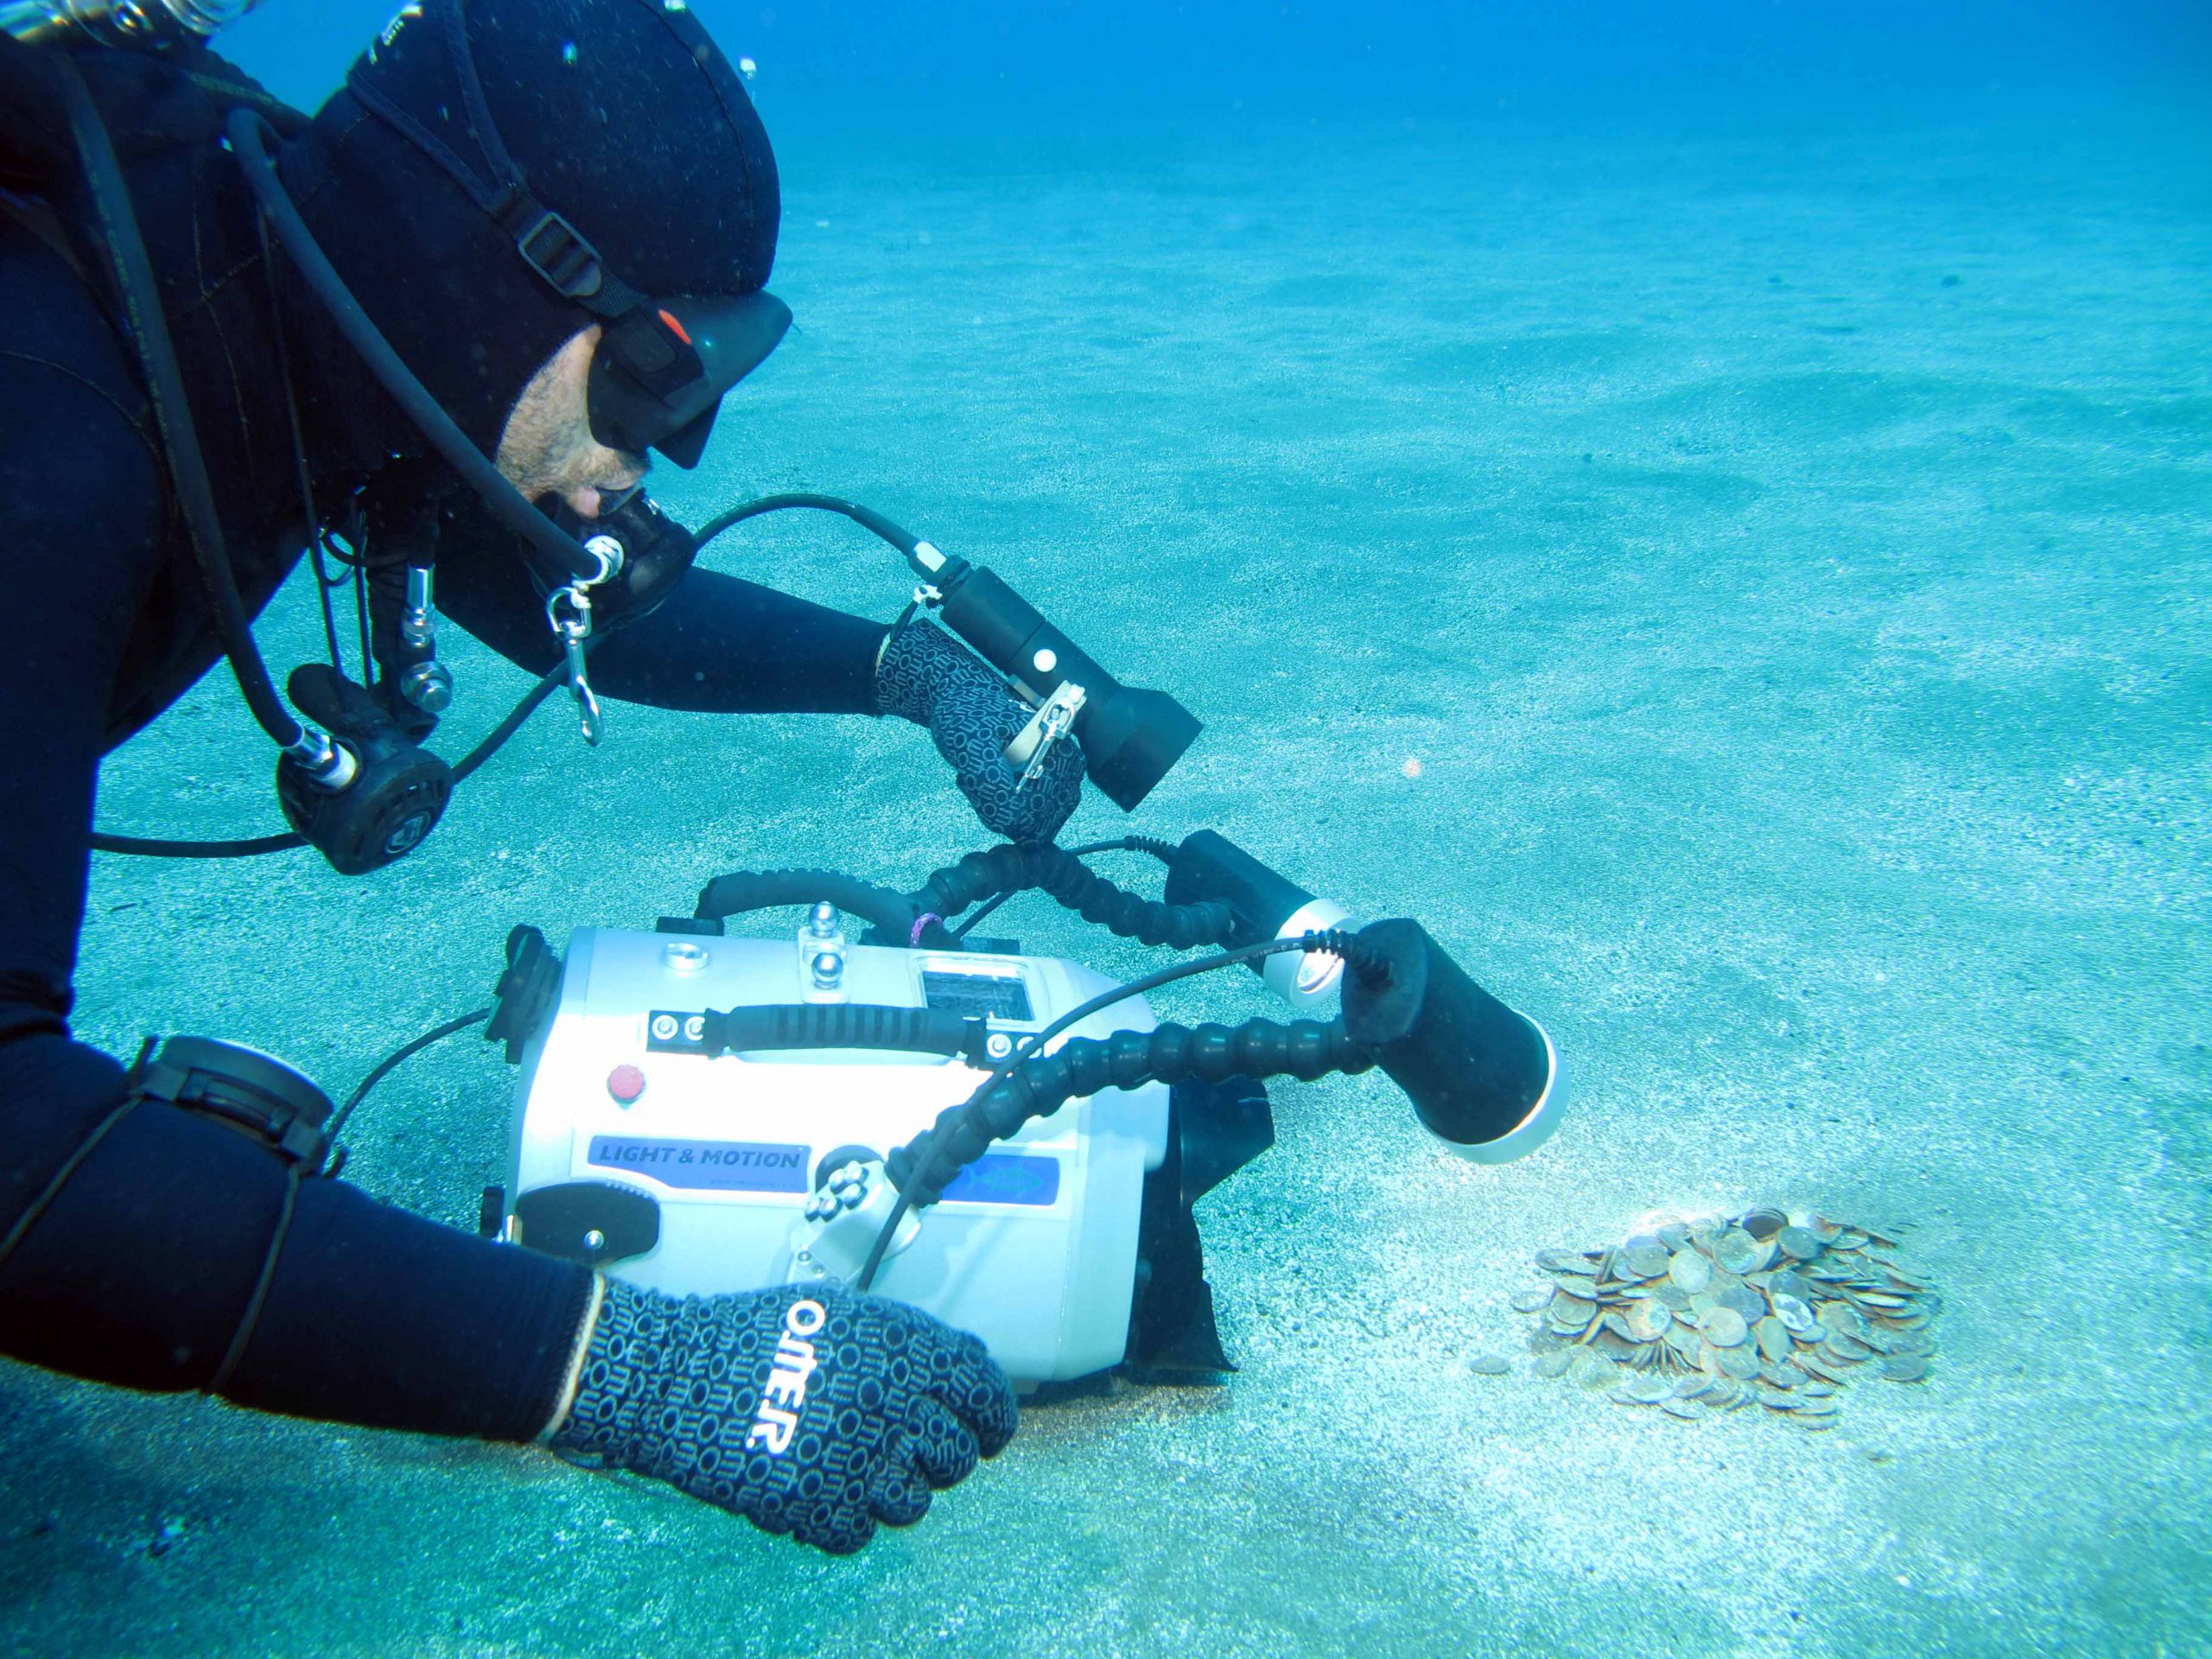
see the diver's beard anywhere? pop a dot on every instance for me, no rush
(547, 447)
(540, 462)
(535, 445)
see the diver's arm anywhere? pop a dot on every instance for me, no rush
(716, 646)
(139, 1269)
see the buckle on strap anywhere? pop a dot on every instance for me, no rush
(558, 251)
(260, 1096)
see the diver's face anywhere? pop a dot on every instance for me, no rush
(548, 449)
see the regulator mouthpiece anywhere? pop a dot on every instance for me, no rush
(118, 22)
(1485, 1079)
(1209, 868)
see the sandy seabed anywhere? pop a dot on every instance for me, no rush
(1746, 593)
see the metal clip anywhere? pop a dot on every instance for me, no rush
(1054, 720)
(844, 1217)
(424, 680)
(575, 629)
(927, 597)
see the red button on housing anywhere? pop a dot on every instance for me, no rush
(626, 1084)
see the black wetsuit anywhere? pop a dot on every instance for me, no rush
(140, 1269)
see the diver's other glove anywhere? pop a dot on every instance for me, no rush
(924, 677)
(816, 1412)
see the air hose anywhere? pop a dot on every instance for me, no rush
(1038, 866)
(248, 134)
(132, 274)
(1306, 1049)
(247, 129)
(494, 740)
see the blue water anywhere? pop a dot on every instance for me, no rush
(1707, 507)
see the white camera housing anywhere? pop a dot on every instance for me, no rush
(1033, 1248)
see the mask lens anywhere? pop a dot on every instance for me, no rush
(660, 374)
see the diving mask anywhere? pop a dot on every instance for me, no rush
(663, 367)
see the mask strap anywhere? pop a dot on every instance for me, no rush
(561, 256)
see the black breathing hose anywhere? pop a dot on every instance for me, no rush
(140, 297)
(248, 133)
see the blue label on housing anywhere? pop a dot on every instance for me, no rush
(1007, 1178)
(713, 1166)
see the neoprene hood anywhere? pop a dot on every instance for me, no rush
(470, 119)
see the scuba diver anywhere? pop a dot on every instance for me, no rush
(562, 215)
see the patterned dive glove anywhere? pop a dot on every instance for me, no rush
(812, 1411)
(924, 677)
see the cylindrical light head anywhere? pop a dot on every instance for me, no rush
(1484, 1078)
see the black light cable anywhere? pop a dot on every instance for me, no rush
(982, 910)
(1345, 945)
(904, 540)
(391, 1063)
(155, 847)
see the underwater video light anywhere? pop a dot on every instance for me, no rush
(1484, 1078)
(1208, 866)
(1130, 735)
(118, 22)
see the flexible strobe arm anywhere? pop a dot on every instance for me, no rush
(1306, 1049)
(1038, 866)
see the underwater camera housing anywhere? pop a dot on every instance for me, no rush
(1034, 1249)
(702, 1113)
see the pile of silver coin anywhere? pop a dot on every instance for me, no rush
(1701, 1314)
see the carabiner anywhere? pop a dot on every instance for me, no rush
(573, 630)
